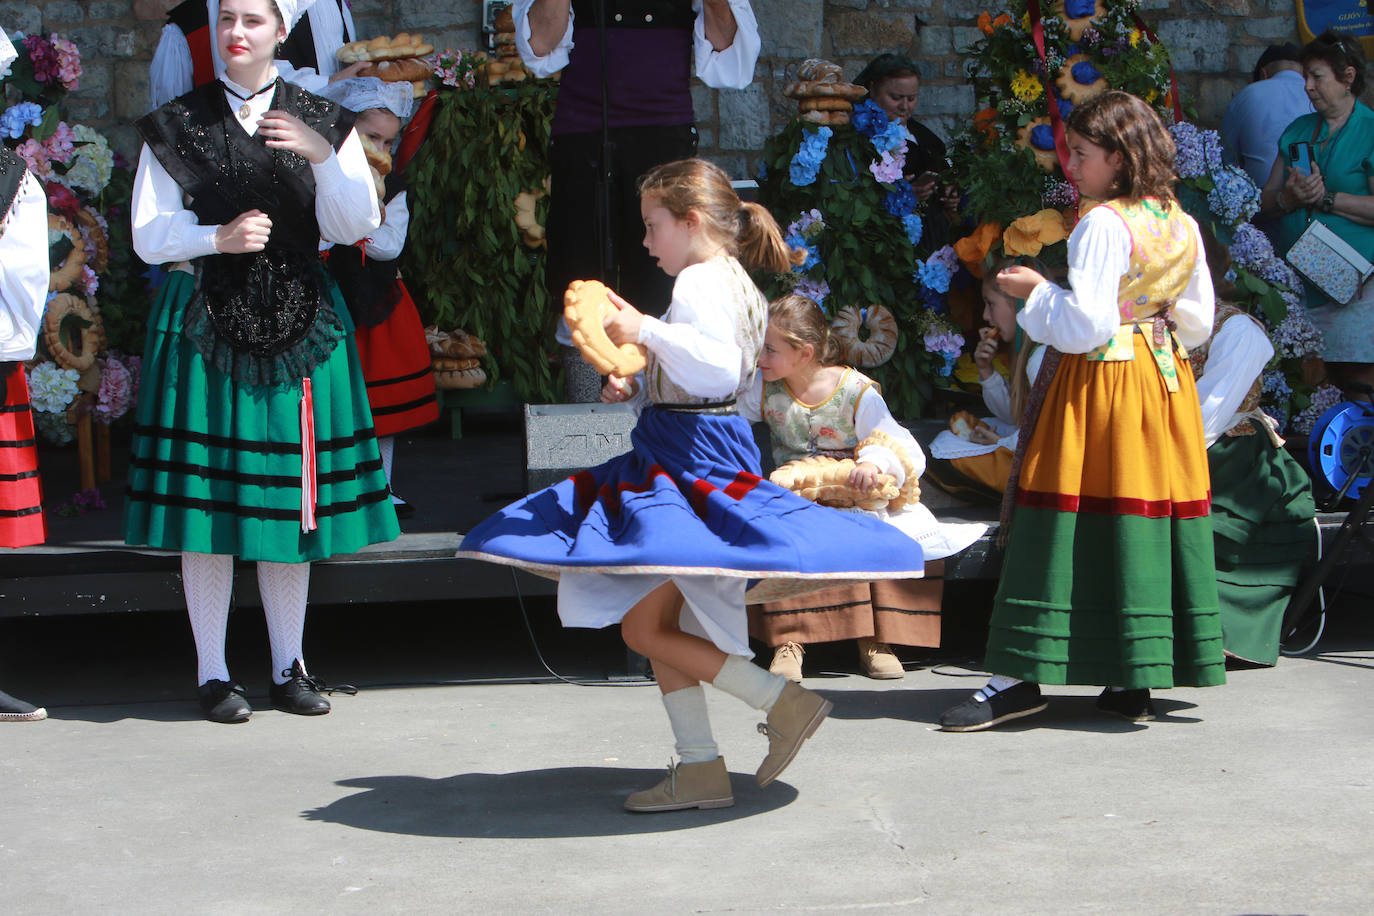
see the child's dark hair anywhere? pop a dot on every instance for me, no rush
(1121, 123)
(800, 321)
(1340, 53)
(747, 230)
(1019, 386)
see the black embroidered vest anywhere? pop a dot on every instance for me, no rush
(11, 175)
(266, 303)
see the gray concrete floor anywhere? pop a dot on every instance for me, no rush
(435, 796)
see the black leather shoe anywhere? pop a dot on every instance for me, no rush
(221, 701)
(301, 694)
(1130, 704)
(977, 713)
(403, 509)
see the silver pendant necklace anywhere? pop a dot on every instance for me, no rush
(244, 111)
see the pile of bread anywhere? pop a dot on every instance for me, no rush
(457, 358)
(505, 66)
(823, 97)
(393, 59)
(825, 480)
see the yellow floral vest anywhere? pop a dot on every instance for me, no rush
(800, 430)
(1163, 252)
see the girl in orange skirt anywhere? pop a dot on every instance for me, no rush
(23, 294)
(1108, 577)
(391, 340)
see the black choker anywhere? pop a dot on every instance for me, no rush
(244, 111)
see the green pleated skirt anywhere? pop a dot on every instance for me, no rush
(216, 464)
(1263, 517)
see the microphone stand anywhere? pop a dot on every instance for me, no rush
(605, 171)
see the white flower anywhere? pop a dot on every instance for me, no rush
(52, 390)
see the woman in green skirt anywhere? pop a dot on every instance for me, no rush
(1263, 516)
(254, 437)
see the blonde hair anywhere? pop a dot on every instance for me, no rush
(801, 322)
(1020, 384)
(747, 230)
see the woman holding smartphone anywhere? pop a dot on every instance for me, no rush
(894, 85)
(1325, 171)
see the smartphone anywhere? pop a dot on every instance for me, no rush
(1300, 156)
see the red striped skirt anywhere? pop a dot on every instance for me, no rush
(397, 368)
(21, 494)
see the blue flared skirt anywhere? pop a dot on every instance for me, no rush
(689, 499)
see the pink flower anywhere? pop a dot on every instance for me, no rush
(116, 392)
(44, 58)
(36, 156)
(89, 282)
(59, 145)
(889, 168)
(68, 63)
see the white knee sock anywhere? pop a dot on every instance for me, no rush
(995, 685)
(691, 725)
(208, 581)
(741, 678)
(387, 446)
(284, 588)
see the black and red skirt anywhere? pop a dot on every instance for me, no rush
(21, 494)
(398, 371)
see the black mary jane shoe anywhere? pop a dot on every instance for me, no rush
(1134, 705)
(976, 714)
(301, 694)
(221, 701)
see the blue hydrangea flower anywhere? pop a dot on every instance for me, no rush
(1235, 197)
(806, 163)
(934, 275)
(17, 117)
(901, 200)
(868, 119)
(815, 290)
(911, 222)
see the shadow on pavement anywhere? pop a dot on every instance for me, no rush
(561, 802)
(1071, 713)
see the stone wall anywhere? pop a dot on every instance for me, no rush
(1214, 45)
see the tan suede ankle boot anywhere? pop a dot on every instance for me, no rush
(794, 718)
(879, 661)
(688, 785)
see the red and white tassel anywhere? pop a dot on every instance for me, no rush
(308, 481)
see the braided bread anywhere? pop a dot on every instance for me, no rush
(910, 493)
(825, 480)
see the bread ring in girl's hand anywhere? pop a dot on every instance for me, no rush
(586, 306)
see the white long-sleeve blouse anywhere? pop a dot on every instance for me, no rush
(1086, 315)
(23, 271)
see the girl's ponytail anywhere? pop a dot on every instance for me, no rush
(760, 244)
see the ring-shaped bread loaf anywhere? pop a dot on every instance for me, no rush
(69, 271)
(90, 339)
(882, 335)
(586, 306)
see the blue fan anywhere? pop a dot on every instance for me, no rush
(1341, 447)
